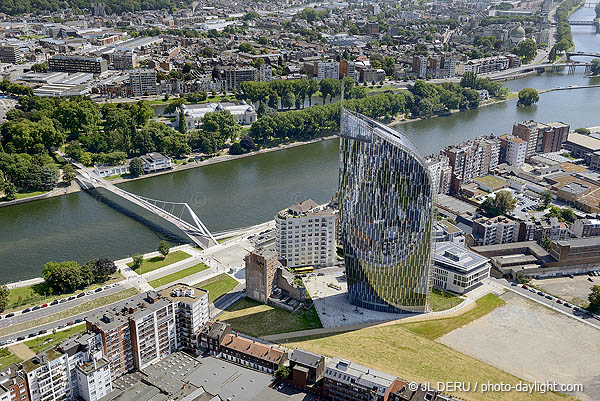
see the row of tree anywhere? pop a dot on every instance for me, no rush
(432, 99)
(68, 276)
(21, 172)
(563, 29)
(17, 7)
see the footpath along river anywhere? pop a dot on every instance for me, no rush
(251, 190)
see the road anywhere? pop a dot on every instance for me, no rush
(573, 312)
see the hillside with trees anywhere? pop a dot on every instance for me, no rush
(18, 7)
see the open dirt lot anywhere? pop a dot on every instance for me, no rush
(574, 290)
(533, 342)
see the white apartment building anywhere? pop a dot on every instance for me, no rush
(143, 82)
(191, 312)
(305, 234)
(340, 375)
(441, 173)
(48, 376)
(194, 113)
(155, 161)
(328, 69)
(458, 269)
(483, 65)
(514, 150)
(497, 230)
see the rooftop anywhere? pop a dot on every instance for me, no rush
(449, 254)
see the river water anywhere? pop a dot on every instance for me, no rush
(251, 190)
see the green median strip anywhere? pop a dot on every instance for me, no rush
(178, 275)
(81, 308)
(218, 286)
(157, 262)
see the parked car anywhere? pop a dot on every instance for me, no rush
(9, 315)
(98, 289)
(568, 305)
(78, 320)
(36, 307)
(590, 279)
(558, 301)
(72, 298)
(44, 306)
(89, 292)
(26, 310)
(55, 302)
(69, 323)
(549, 297)
(532, 290)
(20, 338)
(42, 331)
(31, 335)
(524, 287)
(540, 293)
(571, 276)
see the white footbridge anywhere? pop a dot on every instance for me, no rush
(179, 214)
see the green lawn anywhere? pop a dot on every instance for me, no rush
(398, 350)
(31, 295)
(218, 286)
(178, 275)
(157, 262)
(23, 195)
(256, 319)
(7, 358)
(43, 343)
(432, 329)
(442, 300)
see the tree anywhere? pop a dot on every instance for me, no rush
(547, 198)
(63, 277)
(528, 97)
(68, 174)
(137, 261)
(502, 203)
(136, 167)
(595, 68)
(583, 131)
(594, 298)
(236, 149)
(247, 143)
(527, 49)
(469, 79)
(10, 191)
(182, 126)
(103, 268)
(283, 372)
(163, 248)
(546, 244)
(245, 47)
(3, 297)
(40, 67)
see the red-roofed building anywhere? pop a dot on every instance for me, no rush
(252, 354)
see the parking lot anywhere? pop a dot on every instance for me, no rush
(574, 290)
(531, 341)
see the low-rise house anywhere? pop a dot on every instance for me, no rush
(104, 170)
(155, 162)
(344, 380)
(458, 269)
(252, 354)
(211, 335)
(306, 367)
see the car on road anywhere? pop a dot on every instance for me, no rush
(36, 307)
(524, 287)
(44, 306)
(116, 284)
(558, 301)
(72, 297)
(55, 302)
(9, 315)
(62, 301)
(107, 287)
(42, 332)
(540, 293)
(20, 338)
(78, 320)
(568, 305)
(513, 284)
(89, 292)
(549, 297)
(98, 289)
(590, 279)
(81, 294)
(31, 335)
(26, 310)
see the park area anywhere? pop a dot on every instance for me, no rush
(218, 286)
(411, 351)
(188, 271)
(157, 262)
(256, 319)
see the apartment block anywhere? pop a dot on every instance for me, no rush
(94, 65)
(551, 228)
(474, 158)
(348, 381)
(234, 76)
(441, 173)
(328, 69)
(143, 82)
(191, 313)
(124, 59)
(497, 230)
(11, 54)
(541, 138)
(305, 234)
(47, 376)
(582, 228)
(513, 150)
(13, 386)
(484, 65)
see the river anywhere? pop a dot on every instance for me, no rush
(251, 190)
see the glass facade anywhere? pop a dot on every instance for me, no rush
(386, 207)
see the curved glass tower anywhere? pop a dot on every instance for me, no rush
(386, 204)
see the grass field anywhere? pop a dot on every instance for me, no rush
(23, 195)
(218, 286)
(31, 295)
(256, 319)
(7, 358)
(397, 350)
(178, 275)
(157, 262)
(43, 343)
(442, 300)
(81, 308)
(433, 329)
